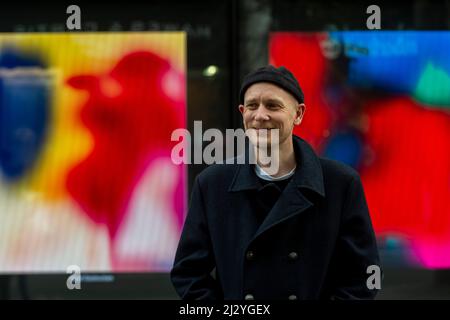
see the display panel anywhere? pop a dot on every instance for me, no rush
(380, 102)
(86, 173)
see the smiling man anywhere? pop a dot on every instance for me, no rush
(302, 232)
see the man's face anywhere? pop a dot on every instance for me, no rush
(267, 106)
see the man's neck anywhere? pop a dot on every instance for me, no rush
(287, 160)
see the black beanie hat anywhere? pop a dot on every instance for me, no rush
(281, 77)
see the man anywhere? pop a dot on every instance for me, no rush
(301, 233)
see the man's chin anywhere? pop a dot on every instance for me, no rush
(258, 137)
(263, 143)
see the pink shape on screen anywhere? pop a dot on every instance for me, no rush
(131, 113)
(406, 173)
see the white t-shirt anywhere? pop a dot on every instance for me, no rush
(265, 176)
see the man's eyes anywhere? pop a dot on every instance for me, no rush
(273, 106)
(268, 106)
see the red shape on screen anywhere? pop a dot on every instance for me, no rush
(131, 113)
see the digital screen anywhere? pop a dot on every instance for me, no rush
(86, 176)
(380, 102)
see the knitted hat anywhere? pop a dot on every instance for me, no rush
(281, 77)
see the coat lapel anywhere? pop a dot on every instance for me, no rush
(292, 201)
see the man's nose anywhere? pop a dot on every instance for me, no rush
(261, 113)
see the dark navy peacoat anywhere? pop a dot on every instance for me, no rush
(316, 243)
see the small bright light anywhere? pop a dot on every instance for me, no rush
(210, 71)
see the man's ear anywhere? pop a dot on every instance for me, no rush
(300, 112)
(241, 108)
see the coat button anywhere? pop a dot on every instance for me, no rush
(292, 297)
(250, 255)
(293, 256)
(249, 297)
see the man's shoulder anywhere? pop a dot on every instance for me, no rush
(338, 170)
(331, 169)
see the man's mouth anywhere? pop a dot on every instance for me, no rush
(263, 128)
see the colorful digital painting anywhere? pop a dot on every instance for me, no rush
(380, 102)
(86, 176)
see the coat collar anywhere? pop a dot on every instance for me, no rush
(292, 201)
(307, 175)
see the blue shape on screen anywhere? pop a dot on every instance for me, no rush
(393, 61)
(344, 146)
(10, 58)
(24, 113)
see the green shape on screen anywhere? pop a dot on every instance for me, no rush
(433, 87)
